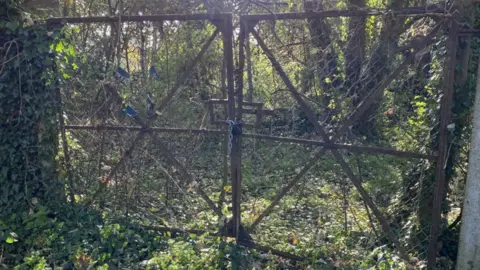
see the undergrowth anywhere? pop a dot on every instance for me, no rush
(67, 237)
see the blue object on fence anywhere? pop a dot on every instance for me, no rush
(130, 111)
(121, 74)
(154, 73)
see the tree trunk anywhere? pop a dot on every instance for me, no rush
(377, 68)
(470, 230)
(355, 52)
(327, 66)
(329, 72)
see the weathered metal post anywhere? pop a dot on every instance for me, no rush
(234, 118)
(445, 117)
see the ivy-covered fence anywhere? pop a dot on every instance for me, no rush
(28, 125)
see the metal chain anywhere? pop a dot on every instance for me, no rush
(230, 123)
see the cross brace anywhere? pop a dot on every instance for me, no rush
(367, 102)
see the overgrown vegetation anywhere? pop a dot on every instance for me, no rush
(76, 196)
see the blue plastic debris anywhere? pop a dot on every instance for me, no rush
(154, 73)
(121, 74)
(130, 111)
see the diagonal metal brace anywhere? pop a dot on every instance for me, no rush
(161, 107)
(358, 112)
(184, 172)
(313, 119)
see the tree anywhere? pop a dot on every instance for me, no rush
(470, 229)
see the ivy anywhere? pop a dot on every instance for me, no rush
(28, 116)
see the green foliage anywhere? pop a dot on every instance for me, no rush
(33, 261)
(67, 236)
(323, 218)
(28, 137)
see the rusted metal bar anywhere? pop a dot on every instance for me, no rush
(352, 148)
(148, 130)
(250, 111)
(117, 166)
(258, 111)
(186, 74)
(277, 252)
(427, 10)
(371, 204)
(296, 95)
(421, 11)
(284, 191)
(235, 151)
(144, 125)
(313, 119)
(184, 172)
(143, 18)
(225, 167)
(445, 118)
(237, 141)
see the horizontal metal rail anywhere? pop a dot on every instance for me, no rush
(150, 129)
(414, 11)
(349, 147)
(138, 18)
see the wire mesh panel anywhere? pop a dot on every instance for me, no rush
(135, 126)
(366, 83)
(329, 141)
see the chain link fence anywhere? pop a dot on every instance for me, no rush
(372, 83)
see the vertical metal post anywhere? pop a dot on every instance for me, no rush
(225, 142)
(238, 140)
(235, 154)
(445, 117)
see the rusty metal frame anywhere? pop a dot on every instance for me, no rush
(257, 110)
(224, 25)
(247, 22)
(213, 132)
(144, 124)
(235, 110)
(445, 118)
(410, 12)
(139, 18)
